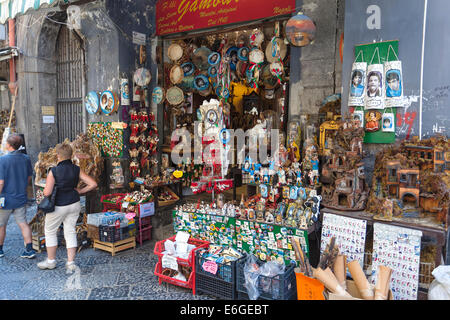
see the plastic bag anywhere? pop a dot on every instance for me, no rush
(440, 287)
(251, 275)
(269, 283)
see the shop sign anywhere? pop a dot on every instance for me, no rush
(139, 38)
(173, 16)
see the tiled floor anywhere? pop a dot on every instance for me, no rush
(99, 276)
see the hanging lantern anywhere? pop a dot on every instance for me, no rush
(300, 30)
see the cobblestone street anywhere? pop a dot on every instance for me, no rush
(99, 276)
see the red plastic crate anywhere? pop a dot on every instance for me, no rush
(190, 284)
(109, 205)
(159, 249)
(144, 234)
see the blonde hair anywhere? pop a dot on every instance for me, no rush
(64, 151)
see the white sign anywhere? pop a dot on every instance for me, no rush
(48, 119)
(147, 209)
(139, 38)
(169, 262)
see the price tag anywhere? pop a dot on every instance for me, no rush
(210, 266)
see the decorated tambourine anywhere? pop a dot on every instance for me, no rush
(200, 58)
(201, 82)
(225, 136)
(256, 38)
(232, 53)
(188, 68)
(276, 50)
(277, 70)
(158, 95)
(142, 77)
(241, 68)
(256, 56)
(175, 96)
(92, 102)
(269, 80)
(222, 92)
(187, 84)
(212, 71)
(214, 58)
(108, 101)
(175, 52)
(206, 92)
(243, 54)
(176, 74)
(300, 30)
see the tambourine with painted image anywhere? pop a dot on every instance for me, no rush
(92, 102)
(109, 102)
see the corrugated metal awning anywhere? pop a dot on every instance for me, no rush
(12, 8)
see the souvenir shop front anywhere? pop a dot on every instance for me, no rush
(308, 206)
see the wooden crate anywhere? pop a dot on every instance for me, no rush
(38, 242)
(114, 247)
(168, 202)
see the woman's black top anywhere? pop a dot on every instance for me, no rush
(67, 176)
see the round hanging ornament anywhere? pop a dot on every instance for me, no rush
(92, 102)
(142, 77)
(300, 30)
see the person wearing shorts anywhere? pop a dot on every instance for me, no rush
(15, 176)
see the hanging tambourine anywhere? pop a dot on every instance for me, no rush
(175, 96)
(188, 68)
(222, 92)
(375, 85)
(92, 102)
(214, 58)
(212, 71)
(200, 58)
(107, 102)
(242, 54)
(387, 121)
(116, 102)
(175, 52)
(142, 77)
(394, 82)
(276, 50)
(300, 30)
(277, 70)
(201, 82)
(357, 92)
(256, 38)
(176, 74)
(187, 84)
(124, 92)
(158, 95)
(256, 56)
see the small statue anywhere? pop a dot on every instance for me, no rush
(269, 217)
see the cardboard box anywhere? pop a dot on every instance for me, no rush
(354, 292)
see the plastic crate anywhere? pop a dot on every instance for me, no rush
(110, 204)
(190, 284)
(110, 218)
(222, 284)
(159, 249)
(280, 287)
(108, 233)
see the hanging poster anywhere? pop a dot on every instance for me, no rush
(375, 87)
(399, 249)
(350, 236)
(394, 84)
(357, 85)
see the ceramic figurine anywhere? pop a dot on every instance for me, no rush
(269, 217)
(281, 177)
